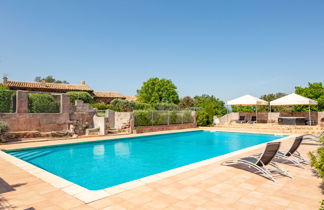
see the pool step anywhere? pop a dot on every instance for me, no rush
(28, 155)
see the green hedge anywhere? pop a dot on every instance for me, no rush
(7, 100)
(128, 106)
(80, 95)
(203, 118)
(4, 128)
(124, 105)
(142, 118)
(101, 106)
(147, 118)
(141, 106)
(187, 117)
(165, 106)
(42, 103)
(317, 162)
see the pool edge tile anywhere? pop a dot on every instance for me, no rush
(88, 196)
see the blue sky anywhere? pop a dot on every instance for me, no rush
(226, 48)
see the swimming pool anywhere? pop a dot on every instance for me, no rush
(102, 164)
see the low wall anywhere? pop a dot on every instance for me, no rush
(145, 129)
(79, 116)
(122, 120)
(101, 123)
(233, 116)
(272, 117)
(43, 122)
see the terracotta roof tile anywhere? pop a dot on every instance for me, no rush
(102, 94)
(46, 86)
(130, 98)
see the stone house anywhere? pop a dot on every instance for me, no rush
(106, 97)
(99, 96)
(45, 87)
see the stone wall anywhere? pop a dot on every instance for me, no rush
(102, 124)
(233, 116)
(44, 122)
(262, 117)
(74, 118)
(145, 129)
(110, 114)
(81, 117)
(122, 120)
(273, 117)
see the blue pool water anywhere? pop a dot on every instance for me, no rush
(103, 164)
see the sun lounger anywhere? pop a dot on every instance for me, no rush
(241, 120)
(253, 120)
(263, 160)
(313, 137)
(292, 155)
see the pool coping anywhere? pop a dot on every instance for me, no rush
(88, 196)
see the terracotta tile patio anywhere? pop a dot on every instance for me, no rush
(212, 186)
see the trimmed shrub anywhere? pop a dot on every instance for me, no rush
(7, 99)
(165, 106)
(124, 105)
(128, 106)
(187, 117)
(145, 118)
(4, 129)
(141, 106)
(173, 118)
(203, 118)
(101, 106)
(80, 95)
(142, 118)
(160, 118)
(42, 103)
(317, 161)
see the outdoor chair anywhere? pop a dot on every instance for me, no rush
(253, 120)
(241, 119)
(312, 137)
(259, 162)
(292, 155)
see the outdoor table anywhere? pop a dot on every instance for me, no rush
(291, 120)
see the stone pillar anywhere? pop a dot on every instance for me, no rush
(65, 103)
(110, 114)
(21, 102)
(100, 122)
(194, 115)
(131, 123)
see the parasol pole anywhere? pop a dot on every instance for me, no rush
(256, 113)
(309, 114)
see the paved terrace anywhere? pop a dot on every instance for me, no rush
(212, 186)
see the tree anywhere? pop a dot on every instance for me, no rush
(80, 95)
(266, 97)
(7, 100)
(211, 106)
(314, 91)
(243, 109)
(186, 102)
(49, 79)
(156, 90)
(271, 97)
